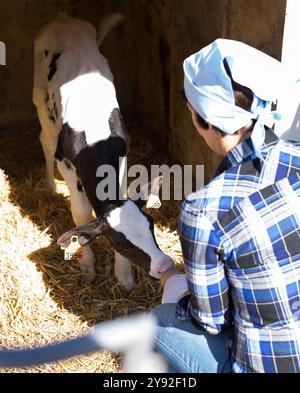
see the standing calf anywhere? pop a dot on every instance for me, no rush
(82, 129)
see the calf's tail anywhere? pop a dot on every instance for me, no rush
(107, 24)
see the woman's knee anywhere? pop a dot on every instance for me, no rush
(164, 314)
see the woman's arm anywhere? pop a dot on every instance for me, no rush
(209, 303)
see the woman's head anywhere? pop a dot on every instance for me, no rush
(216, 139)
(230, 86)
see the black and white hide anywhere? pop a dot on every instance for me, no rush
(82, 129)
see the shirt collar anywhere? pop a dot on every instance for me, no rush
(245, 152)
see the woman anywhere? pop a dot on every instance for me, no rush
(238, 304)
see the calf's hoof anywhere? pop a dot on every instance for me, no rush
(51, 187)
(127, 284)
(87, 279)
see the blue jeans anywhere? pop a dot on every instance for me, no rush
(188, 349)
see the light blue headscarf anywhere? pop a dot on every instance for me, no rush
(208, 87)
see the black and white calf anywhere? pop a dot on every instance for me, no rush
(82, 129)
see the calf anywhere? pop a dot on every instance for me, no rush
(82, 129)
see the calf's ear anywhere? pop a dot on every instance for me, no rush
(148, 195)
(85, 233)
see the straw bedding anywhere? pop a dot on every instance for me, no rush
(41, 298)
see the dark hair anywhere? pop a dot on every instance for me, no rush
(243, 96)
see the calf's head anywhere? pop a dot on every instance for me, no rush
(131, 233)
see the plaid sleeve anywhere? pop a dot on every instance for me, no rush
(208, 304)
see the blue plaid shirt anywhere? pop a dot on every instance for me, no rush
(240, 238)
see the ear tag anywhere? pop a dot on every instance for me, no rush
(153, 202)
(74, 250)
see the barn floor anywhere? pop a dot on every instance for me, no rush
(41, 298)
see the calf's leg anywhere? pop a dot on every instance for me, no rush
(49, 133)
(49, 144)
(82, 214)
(123, 271)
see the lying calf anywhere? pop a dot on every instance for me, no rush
(82, 130)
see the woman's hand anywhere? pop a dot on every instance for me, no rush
(175, 286)
(166, 275)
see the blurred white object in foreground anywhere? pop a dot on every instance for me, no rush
(133, 336)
